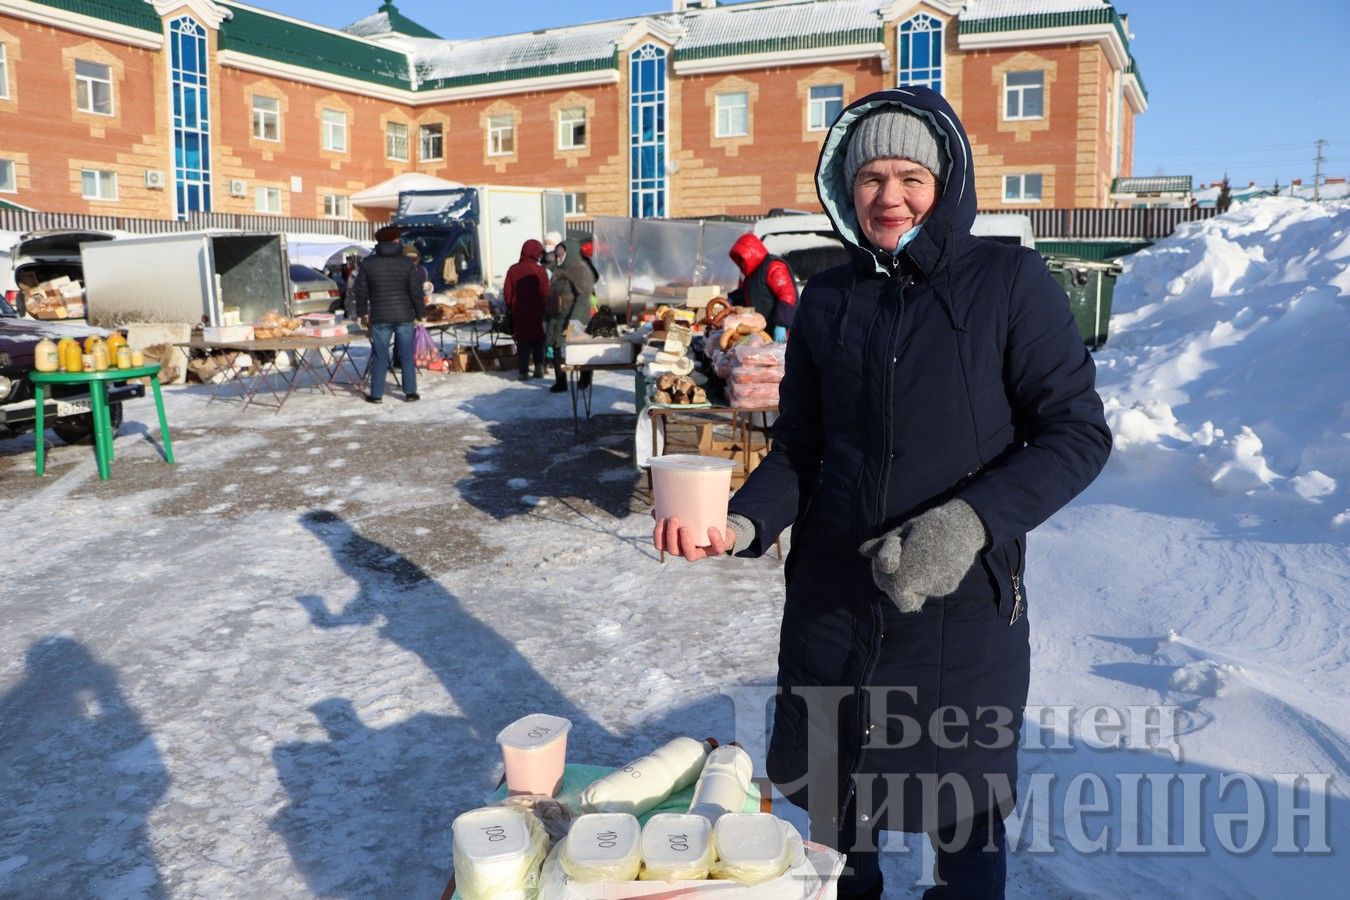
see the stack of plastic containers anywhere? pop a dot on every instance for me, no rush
(497, 854)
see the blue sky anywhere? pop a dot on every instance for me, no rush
(1236, 86)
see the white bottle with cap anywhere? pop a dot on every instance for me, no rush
(644, 783)
(724, 784)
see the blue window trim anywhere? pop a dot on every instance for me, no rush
(647, 128)
(191, 111)
(919, 47)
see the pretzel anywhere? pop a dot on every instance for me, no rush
(711, 317)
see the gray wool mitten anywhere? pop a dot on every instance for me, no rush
(926, 556)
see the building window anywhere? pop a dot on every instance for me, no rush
(574, 204)
(824, 106)
(571, 128)
(1024, 95)
(98, 184)
(336, 206)
(920, 41)
(334, 130)
(501, 136)
(7, 182)
(647, 132)
(4, 72)
(396, 141)
(1021, 188)
(733, 114)
(267, 200)
(266, 118)
(431, 142)
(191, 117)
(93, 88)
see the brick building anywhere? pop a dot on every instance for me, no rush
(160, 107)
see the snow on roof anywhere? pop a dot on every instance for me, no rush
(370, 25)
(433, 60)
(737, 25)
(1007, 9)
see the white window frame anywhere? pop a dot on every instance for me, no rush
(333, 132)
(9, 179)
(392, 141)
(262, 197)
(817, 108)
(4, 71)
(86, 99)
(574, 203)
(728, 104)
(337, 206)
(501, 131)
(423, 131)
(105, 184)
(1021, 181)
(262, 117)
(568, 121)
(1022, 91)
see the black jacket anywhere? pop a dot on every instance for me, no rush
(954, 371)
(388, 286)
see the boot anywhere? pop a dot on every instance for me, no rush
(559, 379)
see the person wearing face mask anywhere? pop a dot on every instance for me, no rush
(570, 291)
(937, 405)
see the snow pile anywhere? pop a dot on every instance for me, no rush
(1228, 346)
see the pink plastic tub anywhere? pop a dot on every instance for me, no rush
(693, 489)
(534, 749)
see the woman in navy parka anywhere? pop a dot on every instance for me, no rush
(938, 404)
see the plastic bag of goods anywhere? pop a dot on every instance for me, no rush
(645, 783)
(676, 847)
(753, 395)
(759, 356)
(424, 348)
(751, 848)
(497, 854)
(602, 847)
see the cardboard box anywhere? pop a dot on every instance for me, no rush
(598, 352)
(227, 334)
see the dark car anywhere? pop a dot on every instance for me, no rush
(66, 407)
(312, 291)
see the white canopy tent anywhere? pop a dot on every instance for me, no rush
(385, 194)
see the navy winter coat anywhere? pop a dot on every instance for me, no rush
(955, 370)
(388, 286)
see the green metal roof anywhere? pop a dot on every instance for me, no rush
(1107, 15)
(135, 13)
(1162, 184)
(287, 41)
(403, 25)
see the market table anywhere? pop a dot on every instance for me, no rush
(252, 380)
(99, 410)
(474, 329)
(584, 392)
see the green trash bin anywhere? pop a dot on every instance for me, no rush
(1090, 285)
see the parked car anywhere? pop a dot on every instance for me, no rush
(313, 291)
(40, 256)
(67, 407)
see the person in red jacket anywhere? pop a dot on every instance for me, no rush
(525, 292)
(766, 284)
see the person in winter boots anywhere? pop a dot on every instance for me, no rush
(937, 405)
(526, 291)
(570, 301)
(766, 284)
(389, 300)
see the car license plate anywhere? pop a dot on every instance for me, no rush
(72, 407)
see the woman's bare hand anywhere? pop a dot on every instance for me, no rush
(669, 536)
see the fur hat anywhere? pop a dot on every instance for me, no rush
(389, 233)
(894, 133)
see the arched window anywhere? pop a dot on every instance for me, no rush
(191, 118)
(647, 132)
(920, 41)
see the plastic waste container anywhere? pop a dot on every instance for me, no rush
(1090, 285)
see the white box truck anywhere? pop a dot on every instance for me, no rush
(472, 235)
(189, 277)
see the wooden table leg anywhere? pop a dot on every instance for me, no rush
(39, 425)
(163, 420)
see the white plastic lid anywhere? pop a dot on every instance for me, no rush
(491, 834)
(750, 839)
(691, 462)
(603, 838)
(670, 838)
(533, 731)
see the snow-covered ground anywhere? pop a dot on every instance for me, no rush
(277, 668)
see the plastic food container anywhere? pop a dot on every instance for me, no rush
(534, 749)
(751, 848)
(602, 847)
(693, 489)
(497, 853)
(676, 847)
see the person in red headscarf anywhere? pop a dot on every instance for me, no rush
(526, 292)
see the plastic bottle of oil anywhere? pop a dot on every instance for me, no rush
(45, 357)
(72, 357)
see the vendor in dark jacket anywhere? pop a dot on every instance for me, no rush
(569, 302)
(938, 404)
(766, 284)
(526, 292)
(389, 300)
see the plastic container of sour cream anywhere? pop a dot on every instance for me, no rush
(534, 750)
(694, 489)
(676, 847)
(602, 847)
(751, 847)
(497, 854)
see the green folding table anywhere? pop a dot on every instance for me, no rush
(97, 383)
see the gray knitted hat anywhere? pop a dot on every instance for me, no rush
(894, 133)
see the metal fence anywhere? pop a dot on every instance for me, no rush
(22, 220)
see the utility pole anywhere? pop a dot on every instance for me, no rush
(1317, 175)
